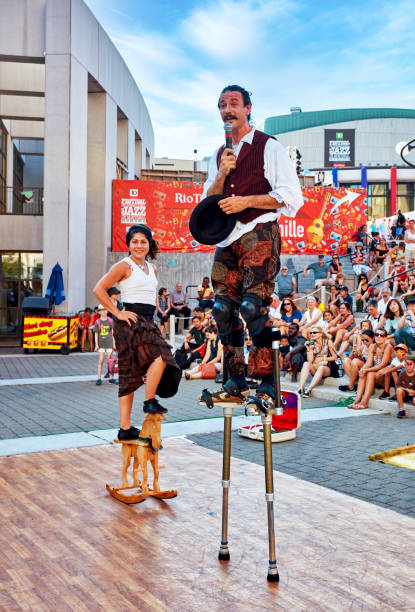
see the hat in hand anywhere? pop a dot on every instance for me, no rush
(208, 223)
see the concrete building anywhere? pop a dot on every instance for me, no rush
(348, 140)
(71, 119)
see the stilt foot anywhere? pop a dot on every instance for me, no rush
(224, 556)
(273, 577)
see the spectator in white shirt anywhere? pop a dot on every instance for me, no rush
(384, 299)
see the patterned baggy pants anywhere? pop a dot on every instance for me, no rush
(248, 266)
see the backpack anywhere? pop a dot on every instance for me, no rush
(181, 357)
(99, 323)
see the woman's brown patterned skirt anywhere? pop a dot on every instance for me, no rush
(138, 345)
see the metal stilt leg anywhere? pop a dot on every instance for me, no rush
(226, 468)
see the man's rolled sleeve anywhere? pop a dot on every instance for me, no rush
(281, 175)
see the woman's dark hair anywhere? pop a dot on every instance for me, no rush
(211, 329)
(146, 231)
(348, 306)
(287, 299)
(161, 290)
(362, 275)
(368, 332)
(389, 314)
(246, 95)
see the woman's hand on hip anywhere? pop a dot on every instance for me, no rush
(126, 315)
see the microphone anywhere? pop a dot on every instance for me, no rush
(228, 134)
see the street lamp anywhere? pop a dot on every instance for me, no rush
(403, 149)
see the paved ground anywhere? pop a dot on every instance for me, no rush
(334, 454)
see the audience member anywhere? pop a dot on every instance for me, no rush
(284, 349)
(410, 288)
(392, 317)
(373, 314)
(328, 317)
(358, 259)
(321, 357)
(321, 273)
(179, 304)
(353, 337)
(405, 333)
(333, 301)
(311, 316)
(381, 252)
(345, 298)
(163, 311)
(297, 354)
(380, 355)
(410, 241)
(405, 391)
(205, 293)
(343, 323)
(213, 354)
(104, 340)
(206, 319)
(364, 292)
(397, 365)
(194, 341)
(86, 322)
(287, 285)
(357, 358)
(336, 271)
(289, 314)
(275, 308)
(383, 299)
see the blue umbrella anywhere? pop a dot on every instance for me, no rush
(55, 290)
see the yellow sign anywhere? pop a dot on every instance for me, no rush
(45, 332)
(73, 332)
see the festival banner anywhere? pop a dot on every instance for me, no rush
(327, 221)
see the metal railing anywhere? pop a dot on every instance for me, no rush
(21, 201)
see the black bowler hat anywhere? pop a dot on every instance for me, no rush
(208, 223)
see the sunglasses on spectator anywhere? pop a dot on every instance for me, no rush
(286, 303)
(314, 332)
(365, 339)
(380, 334)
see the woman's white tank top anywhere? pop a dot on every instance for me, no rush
(139, 287)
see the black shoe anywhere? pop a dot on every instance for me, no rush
(113, 381)
(393, 398)
(99, 382)
(346, 388)
(401, 414)
(107, 375)
(384, 395)
(153, 407)
(128, 434)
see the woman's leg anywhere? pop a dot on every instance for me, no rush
(339, 337)
(321, 372)
(370, 385)
(126, 404)
(154, 374)
(347, 365)
(343, 347)
(83, 338)
(355, 366)
(305, 371)
(361, 385)
(91, 346)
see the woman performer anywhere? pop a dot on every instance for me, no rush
(141, 349)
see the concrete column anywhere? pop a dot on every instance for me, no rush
(102, 154)
(122, 140)
(9, 178)
(64, 240)
(138, 155)
(131, 150)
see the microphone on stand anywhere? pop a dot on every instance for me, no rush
(228, 134)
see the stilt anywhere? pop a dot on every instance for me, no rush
(226, 469)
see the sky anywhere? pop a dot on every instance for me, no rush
(312, 54)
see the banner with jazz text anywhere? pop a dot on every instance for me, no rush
(328, 219)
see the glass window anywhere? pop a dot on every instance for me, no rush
(378, 201)
(31, 265)
(8, 322)
(405, 197)
(9, 293)
(9, 265)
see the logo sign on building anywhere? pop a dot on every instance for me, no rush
(339, 148)
(329, 218)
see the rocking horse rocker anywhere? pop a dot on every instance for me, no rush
(265, 409)
(142, 451)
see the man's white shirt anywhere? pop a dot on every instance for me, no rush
(281, 175)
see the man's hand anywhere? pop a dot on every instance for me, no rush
(234, 204)
(227, 162)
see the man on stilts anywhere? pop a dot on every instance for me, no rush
(259, 182)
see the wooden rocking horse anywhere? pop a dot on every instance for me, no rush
(142, 451)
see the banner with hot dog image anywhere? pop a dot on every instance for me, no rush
(327, 221)
(49, 332)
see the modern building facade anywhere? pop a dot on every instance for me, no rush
(72, 119)
(349, 140)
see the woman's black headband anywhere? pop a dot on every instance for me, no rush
(139, 227)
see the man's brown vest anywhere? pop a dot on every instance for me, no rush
(248, 177)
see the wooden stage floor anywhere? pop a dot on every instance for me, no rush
(67, 545)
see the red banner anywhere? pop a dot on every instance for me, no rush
(325, 223)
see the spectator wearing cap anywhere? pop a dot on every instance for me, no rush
(405, 391)
(321, 273)
(392, 371)
(358, 259)
(345, 298)
(406, 326)
(287, 285)
(114, 295)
